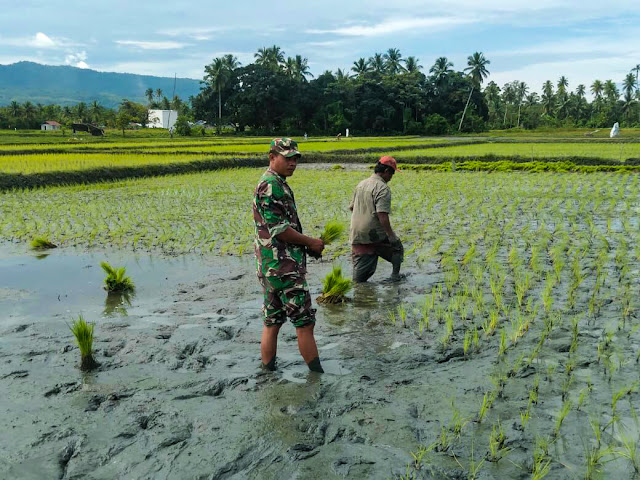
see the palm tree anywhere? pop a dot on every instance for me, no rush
(302, 68)
(411, 65)
(508, 97)
(231, 62)
(361, 67)
(393, 61)
(342, 76)
(547, 97)
(636, 69)
(492, 94)
(611, 91)
(521, 90)
(290, 67)
(377, 63)
(96, 109)
(159, 93)
(563, 83)
(30, 110)
(441, 70)
(14, 109)
(628, 86)
(149, 94)
(477, 68)
(261, 56)
(596, 89)
(216, 75)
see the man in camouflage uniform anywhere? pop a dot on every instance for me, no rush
(281, 261)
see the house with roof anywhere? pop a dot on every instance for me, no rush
(162, 118)
(50, 125)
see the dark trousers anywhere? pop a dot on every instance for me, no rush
(365, 264)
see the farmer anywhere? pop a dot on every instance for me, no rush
(371, 235)
(281, 261)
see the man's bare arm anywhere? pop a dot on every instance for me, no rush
(386, 225)
(292, 236)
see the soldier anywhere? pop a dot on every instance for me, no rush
(281, 261)
(371, 235)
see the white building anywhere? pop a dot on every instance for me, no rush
(50, 125)
(162, 118)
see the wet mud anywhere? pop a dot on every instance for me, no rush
(179, 392)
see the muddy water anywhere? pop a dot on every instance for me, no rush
(179, 393)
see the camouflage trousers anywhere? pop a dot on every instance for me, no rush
(287, 296)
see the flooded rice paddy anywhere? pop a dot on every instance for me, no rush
(509, 351)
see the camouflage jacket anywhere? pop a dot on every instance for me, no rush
(274, 210)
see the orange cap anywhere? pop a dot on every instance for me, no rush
(390, 162)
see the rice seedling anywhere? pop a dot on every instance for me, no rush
(541, 461)
(116, 280)
(418, 456)
(629, 450)
(332, 231)
(503, 343)
(487, 403)
(497, 439)
(564, 411)
(335, 287)
(83, 333)
(42, 243)
(458, 421)
(466, 343)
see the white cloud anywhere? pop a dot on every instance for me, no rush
(41, 40)
(77, 59)
(399, 25)
(196, 33)
(153, 45)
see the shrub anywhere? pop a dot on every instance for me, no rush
(182, 126)
(435, 124)
(414, 128)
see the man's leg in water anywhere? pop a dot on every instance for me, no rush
(269, 346)
(308, 348)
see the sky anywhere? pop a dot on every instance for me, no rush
(530, 41)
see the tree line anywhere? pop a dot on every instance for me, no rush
(383, 94)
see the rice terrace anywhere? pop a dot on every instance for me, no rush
(510, 350)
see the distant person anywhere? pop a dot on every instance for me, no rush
(371, 235)
(339, 136)
(305, 136)
(280, 248)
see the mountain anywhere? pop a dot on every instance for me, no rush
(64, 85)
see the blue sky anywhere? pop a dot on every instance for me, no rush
(528, 41)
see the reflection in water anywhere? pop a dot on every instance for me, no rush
(117, 303)
(42, 256)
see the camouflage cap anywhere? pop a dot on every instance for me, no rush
(284, 146)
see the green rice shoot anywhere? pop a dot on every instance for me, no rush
(42, 243)
(116, 281)
(335, 287)
(332, 231)
(83, 332)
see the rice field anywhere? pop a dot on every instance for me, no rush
(533, 279)
(533, 151)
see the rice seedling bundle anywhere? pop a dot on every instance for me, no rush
(335, 287)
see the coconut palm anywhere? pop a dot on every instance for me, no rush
(96, 110)
(231, 62)
(629, 84)
(563, 83)
(217, 75)
(302, 68)
(149, 94)
(393, 61)
(547, 97)
(521, 90)
(596, 89)
(412, 65)
(361, 67)
(377, 63)
(159, 94)
(611, 91)
(477, 70)
(492, 95)
(289, 67)
(441, 70)
(14, 109)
